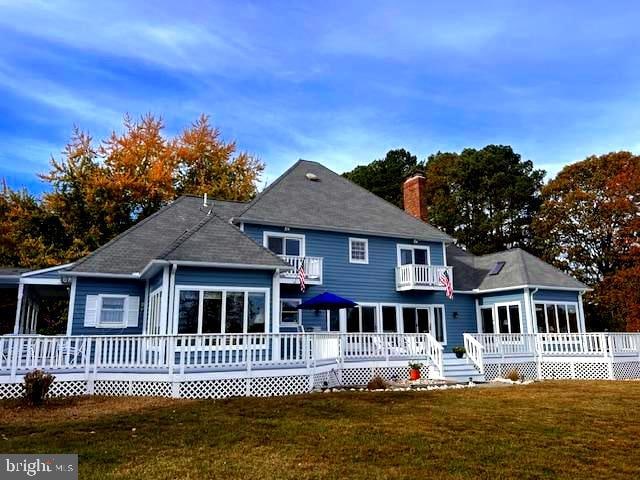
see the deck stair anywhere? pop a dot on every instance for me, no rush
(460, 369)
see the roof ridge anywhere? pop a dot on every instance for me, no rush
(270, 187)
(127, 231)
(525, 270)
(188, 234)
(193, 195)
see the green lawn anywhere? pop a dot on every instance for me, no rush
(546, 430)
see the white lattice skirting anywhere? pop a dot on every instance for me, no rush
(259, 386)
(592, 369)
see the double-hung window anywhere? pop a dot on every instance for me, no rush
(358, 250)
(290, 316)
(284, 243)
(113, 311)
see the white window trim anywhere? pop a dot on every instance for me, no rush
(125, 314)
(341, 314)
(285, 235)
(398, 313)
(496, 321)
(413, 248)
(546, 316)
(366, 250)
(359, 308)
(432, 317)
(208, 288)
(297, 301)
(493, 317)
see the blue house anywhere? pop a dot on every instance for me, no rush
(207, 267)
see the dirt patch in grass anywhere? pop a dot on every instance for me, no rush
(546, 430)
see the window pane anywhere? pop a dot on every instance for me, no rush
(288, 311)
(423, 320)
(212, 312)
(353, 320)
(235, 312)
(421, 257)
(110, 303)
(358, 250)
(562, 319)
(540, 321)
(112, 316)
(406, 256)
(334, 320)
(256, 322)
(292, 246)
(368, 319)
(275, 245)
(438, 323)
(514, 315)
(573, 318)
(188, 311)
(551, 317)
(503, 319)
(487, 320)
(409, 320)
(389, 323)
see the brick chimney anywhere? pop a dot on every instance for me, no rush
(413, 193)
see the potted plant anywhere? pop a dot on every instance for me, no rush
(459, 351)
(414, 372)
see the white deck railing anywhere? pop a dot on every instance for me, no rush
(179, 354)
(474, 351)
(421, 276)
(312, 269)
(559, 344)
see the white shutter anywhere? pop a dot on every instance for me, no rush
(91, 311)
(133, 311)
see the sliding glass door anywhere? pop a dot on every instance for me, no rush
(424, 319)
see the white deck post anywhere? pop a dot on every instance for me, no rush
(16, 328)
(275, 317)
(164, 301)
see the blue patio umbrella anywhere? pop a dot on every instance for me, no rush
(326, 301)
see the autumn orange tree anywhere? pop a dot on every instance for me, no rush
(101, 189)
(589, 225)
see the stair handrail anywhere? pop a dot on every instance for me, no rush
(435, 352)
(475, 352)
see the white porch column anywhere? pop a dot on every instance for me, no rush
(16, 328)
(528, 310)
(275, 317)
(72, 304)
(583, 327)
(164, 300)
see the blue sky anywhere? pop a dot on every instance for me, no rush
(336, 82)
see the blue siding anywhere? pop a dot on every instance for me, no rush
(370, 283)
(556, 296)
(224, 277)
(95, 286)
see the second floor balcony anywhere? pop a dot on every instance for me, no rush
(421, 277)
(312, 269)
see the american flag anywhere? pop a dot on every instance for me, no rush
(445, 281)
(301, 276)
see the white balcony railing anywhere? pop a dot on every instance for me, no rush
(421, 277)
(312, 269)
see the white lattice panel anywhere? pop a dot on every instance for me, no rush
(527, 371)
(626, 370)
(151, 389)
(591, 370)
(356, 377)
(68, 389)
(224, 388)
(10, 390)
(555, 370)
(276, 386)
(112, 388)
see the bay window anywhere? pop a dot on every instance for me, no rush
(216, 310)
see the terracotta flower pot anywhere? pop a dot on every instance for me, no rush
(414, 374)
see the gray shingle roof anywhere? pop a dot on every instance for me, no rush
(520, 268)
(332, 203)
(217, 241)
(154, 236)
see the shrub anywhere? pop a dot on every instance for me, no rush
(36, 386)
(377, 383)
(513, 375)
(415, 365)
(459, 351)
